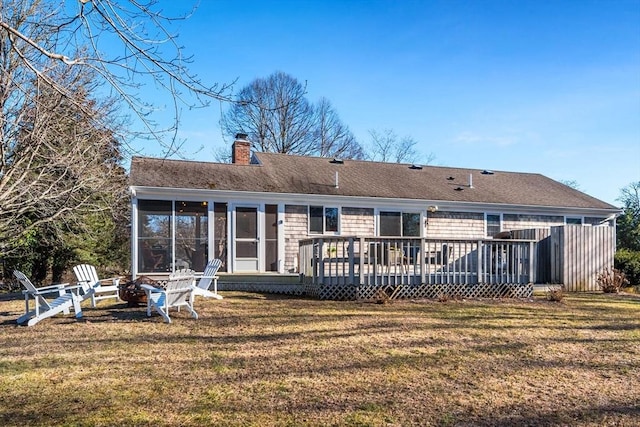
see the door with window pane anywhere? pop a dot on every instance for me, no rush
(246, 239)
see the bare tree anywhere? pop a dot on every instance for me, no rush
(275, 114)
(144, 50)
(332, 137)
(386, 146)
(277, 117)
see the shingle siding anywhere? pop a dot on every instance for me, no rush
(358, 222)
(295, 228)
(455, 225)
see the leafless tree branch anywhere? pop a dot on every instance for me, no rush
(83, 35)
(386, 146)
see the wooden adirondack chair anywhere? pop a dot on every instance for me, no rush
(102, 289)
(178, 293)
(66, 297)
(209, 276)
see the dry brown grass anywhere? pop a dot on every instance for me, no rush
(256, 360)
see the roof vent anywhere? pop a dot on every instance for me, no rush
(450, 178)
(459, 188)
(415, 167)
(337, 161)
(486, 172)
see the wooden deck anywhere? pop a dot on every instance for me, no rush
(417, 267)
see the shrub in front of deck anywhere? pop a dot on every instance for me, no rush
(555, 293)
(611, 281)
(381, 297)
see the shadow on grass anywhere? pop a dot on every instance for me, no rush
(600, 415)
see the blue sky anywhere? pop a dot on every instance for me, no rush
(551, 87)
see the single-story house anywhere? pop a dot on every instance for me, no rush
(254, 212)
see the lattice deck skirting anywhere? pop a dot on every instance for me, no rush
(342, 292)
(363, 292)
(267, 288)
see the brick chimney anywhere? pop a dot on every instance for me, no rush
(241, 154)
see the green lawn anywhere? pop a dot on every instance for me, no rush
(260, 360)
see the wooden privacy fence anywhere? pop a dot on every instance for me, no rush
(572, 255)
(361, 267)
(578, 254)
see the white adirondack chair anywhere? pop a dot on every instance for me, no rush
(65, 298)
(207, 278)
(177, 293)
(102, 289)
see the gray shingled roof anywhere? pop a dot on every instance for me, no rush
(283, 173)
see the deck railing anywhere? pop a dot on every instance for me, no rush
(382, 261)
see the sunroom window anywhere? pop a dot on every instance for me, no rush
(191, 235)
(154, 235)
(161, 248)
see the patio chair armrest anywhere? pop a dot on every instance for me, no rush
(113, 280)
(52, 289)
(177, 290)
(149, 288)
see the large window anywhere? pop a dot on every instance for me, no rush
(191, 235)
(323, 220)
(154, 235)
(406, 224)
(494, 224)
(163, 249)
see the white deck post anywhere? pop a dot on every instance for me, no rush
(532, 262)
(479, 254)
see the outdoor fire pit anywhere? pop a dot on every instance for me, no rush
(133, 294)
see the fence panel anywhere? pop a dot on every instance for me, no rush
(585, 252)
